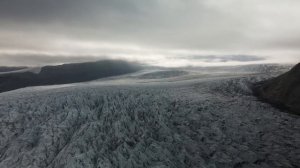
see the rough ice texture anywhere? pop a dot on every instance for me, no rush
(205, 122)
(163, 74)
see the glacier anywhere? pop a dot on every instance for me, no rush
(193, 117)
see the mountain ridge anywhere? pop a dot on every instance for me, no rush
(282, 91)
(66, 73)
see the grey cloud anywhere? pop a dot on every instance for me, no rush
(65, 11)
(288, 42)
(224, 27)
(169, 24)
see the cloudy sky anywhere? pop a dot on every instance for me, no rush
(157, 32)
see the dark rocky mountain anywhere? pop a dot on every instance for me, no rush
(282, 91)
(8, 69)
(66, 73)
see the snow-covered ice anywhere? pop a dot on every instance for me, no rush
(190, 119)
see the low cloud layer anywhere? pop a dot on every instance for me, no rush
(228, 31)
(168, 60)
(227, 58)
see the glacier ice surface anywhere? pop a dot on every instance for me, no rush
(194, 120)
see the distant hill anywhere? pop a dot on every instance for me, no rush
(66, 73)
(8, 69)
(282, 91)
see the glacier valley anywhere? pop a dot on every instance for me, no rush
(189, 117)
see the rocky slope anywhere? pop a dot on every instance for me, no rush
(8, 69)
(282, 91)
(66, 73)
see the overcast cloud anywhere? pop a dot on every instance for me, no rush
(158, 32)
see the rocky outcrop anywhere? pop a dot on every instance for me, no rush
(282, 91)
(66, 73)
(9, 69)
